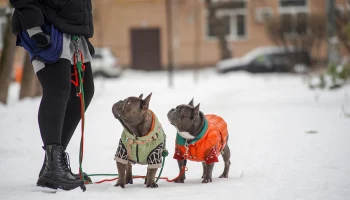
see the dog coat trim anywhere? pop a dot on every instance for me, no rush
(208, 145)
(182, 141)
(185, 135)
(146, 150)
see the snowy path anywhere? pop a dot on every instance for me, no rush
(274, 155)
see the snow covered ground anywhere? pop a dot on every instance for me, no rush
(287, 142)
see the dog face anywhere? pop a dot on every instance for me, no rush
(183, 116)
(132, 109)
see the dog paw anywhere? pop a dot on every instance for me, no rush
(207, 180)
(152, 185)
(223, 176)
(119, 185)
(129, 181)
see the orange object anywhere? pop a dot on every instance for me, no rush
(207, 146)
(18, 74)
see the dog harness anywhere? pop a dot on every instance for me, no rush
(146, 150)
(208, 144)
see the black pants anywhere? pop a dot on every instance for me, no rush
(59, 111)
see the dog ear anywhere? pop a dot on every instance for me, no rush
(145, 102)
(141, 95)
(195, 111)
(191, 103)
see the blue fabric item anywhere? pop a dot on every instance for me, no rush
(47, 55)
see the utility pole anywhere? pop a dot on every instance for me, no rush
(169, 17)
(7, 58)
(197, 39)
(330, 30)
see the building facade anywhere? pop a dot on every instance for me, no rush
(136, 30)
(132, 27)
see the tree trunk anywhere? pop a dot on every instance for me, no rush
(28, 84)
(38, 91)
(223, 44)
(219, 29)
(98, 21)
(7, 60)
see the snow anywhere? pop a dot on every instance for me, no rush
(287, 141)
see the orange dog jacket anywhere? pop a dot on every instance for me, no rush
(208, 144)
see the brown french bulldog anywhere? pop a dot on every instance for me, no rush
(200, 138)
(142, 140)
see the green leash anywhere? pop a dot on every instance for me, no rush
(165, 153)
(79, 66)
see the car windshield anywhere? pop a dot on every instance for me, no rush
(262, 51)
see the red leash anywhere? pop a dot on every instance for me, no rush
(78, 81)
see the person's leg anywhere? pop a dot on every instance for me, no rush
(55, 81)
(73, 113)
(73, 110)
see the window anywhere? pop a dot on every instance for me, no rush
(234, 16)
(292, 6)
(294, 16)
(292, 3)
(2, 26)
(294, 23)
(226, 21)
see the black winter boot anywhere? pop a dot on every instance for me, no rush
(77, 176)
(56, 174)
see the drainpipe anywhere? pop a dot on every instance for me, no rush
(169, 24)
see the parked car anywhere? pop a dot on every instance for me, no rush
(105, 63)
(267, 59)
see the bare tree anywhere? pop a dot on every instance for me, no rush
(306, 32)
(7, 60)
(343, 29)
(218, 24)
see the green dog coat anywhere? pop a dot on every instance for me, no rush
(146, 150)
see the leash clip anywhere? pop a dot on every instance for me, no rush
(186, 153)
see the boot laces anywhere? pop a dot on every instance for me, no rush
(63, 159)
(67, 161)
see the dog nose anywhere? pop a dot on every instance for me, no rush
(118, 104)
(115, 107)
